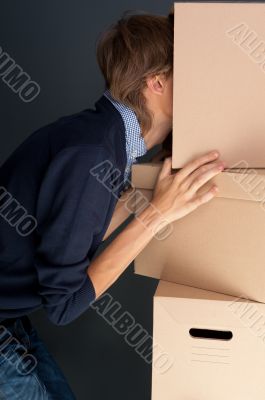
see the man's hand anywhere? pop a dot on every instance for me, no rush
(176, 195)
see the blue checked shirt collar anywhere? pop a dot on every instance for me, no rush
(135, 144)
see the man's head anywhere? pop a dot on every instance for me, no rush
(135, 56)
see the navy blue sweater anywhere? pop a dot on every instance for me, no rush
(54, 212)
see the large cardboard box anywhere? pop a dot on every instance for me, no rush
(216, 344)
(219, 81)
(219, 246)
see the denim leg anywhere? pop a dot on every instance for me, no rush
(27, 370)
(48, 371)
(18, 380)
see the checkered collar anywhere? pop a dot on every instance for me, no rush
(135, 144)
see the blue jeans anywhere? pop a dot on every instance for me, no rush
(27, 369)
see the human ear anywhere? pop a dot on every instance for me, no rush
(156, 84)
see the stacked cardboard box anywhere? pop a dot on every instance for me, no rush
(209, 308)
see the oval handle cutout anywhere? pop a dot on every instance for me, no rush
(210, 334)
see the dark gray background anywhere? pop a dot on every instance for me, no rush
(54, 42)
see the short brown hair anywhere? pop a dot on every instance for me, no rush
(137, 46)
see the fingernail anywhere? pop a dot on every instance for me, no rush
(215, 154)
(221, 167)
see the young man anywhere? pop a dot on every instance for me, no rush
(55, 211)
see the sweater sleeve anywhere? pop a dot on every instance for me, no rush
(72, 207)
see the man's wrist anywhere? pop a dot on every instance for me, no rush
(153, 219)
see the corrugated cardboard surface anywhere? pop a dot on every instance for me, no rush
(219, 81)
(207, 368)
(218, 247)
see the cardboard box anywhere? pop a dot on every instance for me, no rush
(219, 246)
(215, 344)
(219, 75)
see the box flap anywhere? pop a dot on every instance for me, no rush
(241, 184)
(201, 308)
(175, 290)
